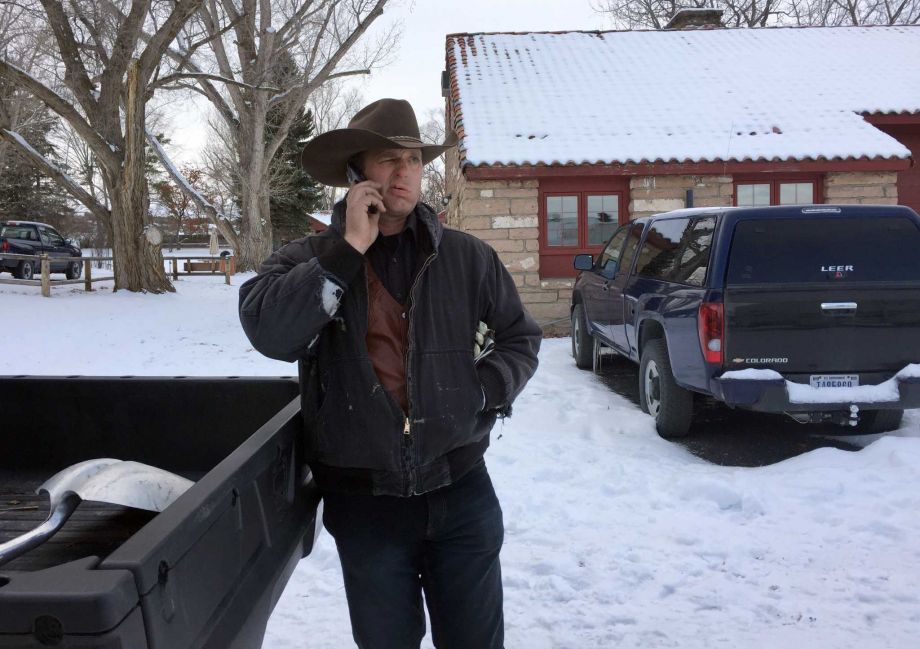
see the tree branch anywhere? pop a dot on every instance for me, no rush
(214, 215)
(111, 82)
(223, 61)
(159, 42)
(79, 84)
(65, 109)
(55, 173)
(213, 77)
(91, 27)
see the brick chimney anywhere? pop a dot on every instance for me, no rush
(696, 19)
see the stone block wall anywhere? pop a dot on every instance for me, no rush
(504, 214)
(862, 188)
(654, 194)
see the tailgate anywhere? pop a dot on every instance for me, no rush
(824, 295)
(828, 331)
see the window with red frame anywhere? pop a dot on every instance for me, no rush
(787, 190)
(575, 222)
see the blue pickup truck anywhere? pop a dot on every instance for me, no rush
(812, 311)
(33, 238)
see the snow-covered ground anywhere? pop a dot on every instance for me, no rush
(614, 537)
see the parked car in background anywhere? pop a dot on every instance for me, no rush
(33, 238)
(812, 311)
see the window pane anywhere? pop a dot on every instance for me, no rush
(750, 195)
(562, 220)
(603, 218)
(632, 246)
(790, 251)
(796, 193)
(612, 252)
(660, 252)
(694, 256)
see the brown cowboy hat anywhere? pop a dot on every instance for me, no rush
(384, 124)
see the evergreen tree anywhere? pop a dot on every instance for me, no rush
(295, 194)
(25, 193)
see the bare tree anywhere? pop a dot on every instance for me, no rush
(655, 14)
(433, 178)
(108, 78)
(334, 104)
(251, 41)
(181, 212)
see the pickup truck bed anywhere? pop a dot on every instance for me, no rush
(93, 529)
(207, 571)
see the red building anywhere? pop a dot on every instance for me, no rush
(566, 135)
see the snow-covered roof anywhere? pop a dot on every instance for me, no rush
(323, 216)
(681, 96)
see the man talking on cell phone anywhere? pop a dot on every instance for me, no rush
(411, 340)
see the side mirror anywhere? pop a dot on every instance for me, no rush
(584, 262)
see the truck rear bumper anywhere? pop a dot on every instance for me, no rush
(776, 394)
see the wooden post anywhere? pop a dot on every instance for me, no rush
(175, 264)
(87, 275)
(223, 262)
(46, 276)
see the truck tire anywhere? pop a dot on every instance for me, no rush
(582, 341)
(660, 396)
(25, 270)
(74, 270)
(872, 422)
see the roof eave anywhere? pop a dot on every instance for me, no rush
(510, 172)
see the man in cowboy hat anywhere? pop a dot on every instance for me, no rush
(381, 311)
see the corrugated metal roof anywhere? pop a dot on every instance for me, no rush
(681, 96)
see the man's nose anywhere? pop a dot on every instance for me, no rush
(402, 167)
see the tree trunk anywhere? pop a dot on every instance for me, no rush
(256, 228)
(140, 266)
(255, 239)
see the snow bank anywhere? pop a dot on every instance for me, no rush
(614, 537)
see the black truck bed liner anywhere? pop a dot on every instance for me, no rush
(93, 529)
(207, 571)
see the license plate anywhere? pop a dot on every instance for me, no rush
(834, 380)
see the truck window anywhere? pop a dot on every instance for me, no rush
(632, 246)
(821, 250)
(657, 256)
(54, 239)
(693, 257)
(659, 252)
(18, 232)
(677, 250)
(612, 250)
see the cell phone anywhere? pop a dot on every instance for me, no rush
(354, 177)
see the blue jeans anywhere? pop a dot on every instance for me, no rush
(445, 543)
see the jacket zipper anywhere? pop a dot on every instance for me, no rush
(407, 427)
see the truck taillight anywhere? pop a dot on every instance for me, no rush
(711, 324)
(4, 246)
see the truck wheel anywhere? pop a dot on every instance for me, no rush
(582, 341)
(872, 422)
(25, 270)
(660, 396)
(74, 270)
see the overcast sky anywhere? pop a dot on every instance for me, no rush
(415, 73)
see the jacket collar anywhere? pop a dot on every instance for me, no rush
(424, 215)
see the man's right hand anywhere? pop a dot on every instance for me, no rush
(361, 228)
